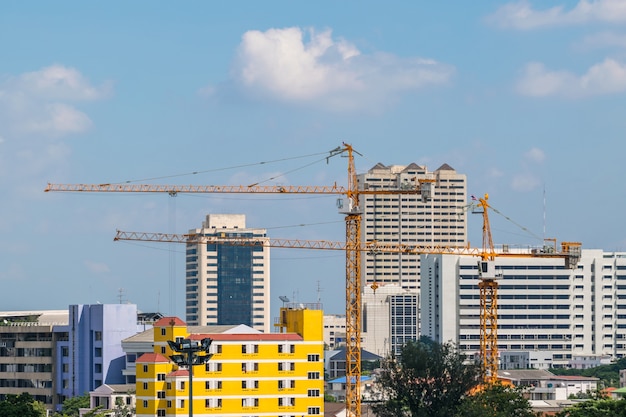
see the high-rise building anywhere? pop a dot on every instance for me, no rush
(408, 219)
(250, 373)
(554, 313)
(228, 284)
(391, 317)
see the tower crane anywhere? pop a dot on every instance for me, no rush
(353, 247)
(353, 213)
(488, 277)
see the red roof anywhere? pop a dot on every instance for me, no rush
(152, 358)
(251, 337)
(169, 321)
(180, 372)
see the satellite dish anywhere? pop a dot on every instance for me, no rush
(284, 299)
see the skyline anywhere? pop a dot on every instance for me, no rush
(525, 98)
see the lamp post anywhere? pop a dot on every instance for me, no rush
(188, 354)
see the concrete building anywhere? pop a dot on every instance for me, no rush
(92, 353)
(334, 330)
(390, 318)
(54, 355)
(228, 284)
(407, 219)
(554, 313)
(250, 373)
(28, 353)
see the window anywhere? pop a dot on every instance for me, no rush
(163, 331)
(97, 335)
(160, 413)
(314, 393)
(161, 394)
(160, 377)
(313, 358)
(169, 403)
(313, 375)
(145, 404)
(145, 368)
(97, 352)
(313, 410)
(145, 386)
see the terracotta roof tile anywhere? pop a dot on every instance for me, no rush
(152, 358)
(169, 321)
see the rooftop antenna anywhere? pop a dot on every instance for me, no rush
(319, 291)
(544, 211)
(121, 295)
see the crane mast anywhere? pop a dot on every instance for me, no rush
(353, 238)
(353, 247)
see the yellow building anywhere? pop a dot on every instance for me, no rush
(249, 374)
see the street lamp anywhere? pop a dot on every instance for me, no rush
(188, 355)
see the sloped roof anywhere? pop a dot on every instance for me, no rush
(145, 336)
(412, 167)
(365, 355)
(152, 358)
(378, 166)
(445, 167)
(169, 321)
(179, 372)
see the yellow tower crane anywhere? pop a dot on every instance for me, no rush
(488, 284)
(353, 213)
(353, 247)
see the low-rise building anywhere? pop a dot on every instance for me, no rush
(250, 373)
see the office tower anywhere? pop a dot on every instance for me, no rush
(555, 314)
(407, 219)
(228, 284)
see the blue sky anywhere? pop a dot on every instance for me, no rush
(526, 98)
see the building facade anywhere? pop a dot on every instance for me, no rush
(543, 307)
(410, 219)
(228, 284)
(250, 373)
(28, 354)
(92, 353)
(58, 354)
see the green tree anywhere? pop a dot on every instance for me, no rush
(496, 400)
(596, 408)
(71, 406)
(427, 379)
(22, 405)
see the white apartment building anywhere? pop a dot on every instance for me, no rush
(407, 219)
(228, 284)
(334, 330)
(390, 318)
(555, 313)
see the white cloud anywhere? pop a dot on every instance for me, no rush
(526, 181)
(607, 77)
(40, 102)
(521, 14)
(57, 82)
(293, 66)
(535, 155)
(603, 40)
